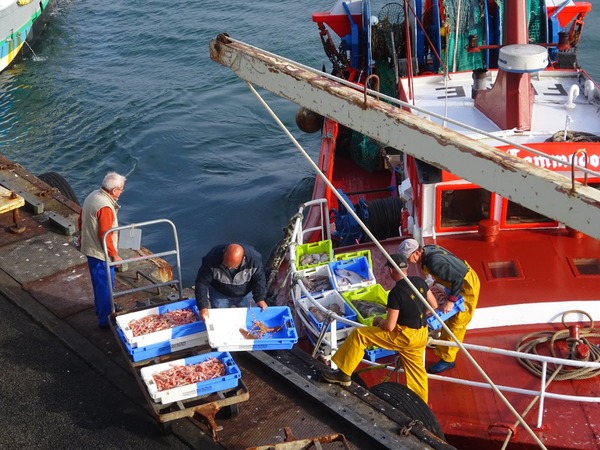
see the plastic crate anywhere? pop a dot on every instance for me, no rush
(309, 275)
(377, 353)
(314, 248)
(202, 388)
(223, 327)
(163, 348)
(357, 254)
(435, 324)
(361, 274)
(375, 293)
(327, 299)
(144, 340)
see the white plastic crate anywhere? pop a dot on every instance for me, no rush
(309, 277)
(328, 299)
(192, 390)
(144, 340)
(223, 326)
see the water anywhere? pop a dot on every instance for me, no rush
(130, 87)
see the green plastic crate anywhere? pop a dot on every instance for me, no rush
(314, 248)
(351, 255)
(375, 293)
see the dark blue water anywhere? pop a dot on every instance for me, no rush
(130, 87)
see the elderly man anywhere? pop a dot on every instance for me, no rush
(231, 275)
(97, 216)
(455, 274)
(403, 330)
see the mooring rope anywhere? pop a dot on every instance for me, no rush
(530, 343)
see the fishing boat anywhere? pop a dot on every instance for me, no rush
(21, 22)
(469, 125)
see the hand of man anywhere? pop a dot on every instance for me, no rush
(204, 314)
(262, 304)
(448, 307)
(377, 321)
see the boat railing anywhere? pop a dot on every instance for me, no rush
(540, 394)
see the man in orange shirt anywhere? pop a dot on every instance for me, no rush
(98, 215)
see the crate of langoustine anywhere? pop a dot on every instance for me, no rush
(160, 323)
(163, 348)
(248, 329)
(191, 377)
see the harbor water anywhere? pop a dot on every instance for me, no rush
(130, 87)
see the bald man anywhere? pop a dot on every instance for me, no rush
(231, 275)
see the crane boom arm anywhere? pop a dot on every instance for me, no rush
(536, 188)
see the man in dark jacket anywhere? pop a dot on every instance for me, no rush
(456, 275)
(231, 275)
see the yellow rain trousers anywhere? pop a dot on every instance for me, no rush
(408, 342)
(458, 323)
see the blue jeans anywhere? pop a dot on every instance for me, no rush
(101, 288)
(219, 300)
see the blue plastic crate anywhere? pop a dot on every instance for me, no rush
(223, 328)
(435, 324)
(326, 299)
(360, 270)
(145, 340)
(378, 353)
(202, 388)
(164, 348)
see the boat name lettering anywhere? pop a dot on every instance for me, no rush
(547, 163)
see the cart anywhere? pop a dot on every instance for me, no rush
(221, 404)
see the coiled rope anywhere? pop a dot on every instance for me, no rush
(531, 342)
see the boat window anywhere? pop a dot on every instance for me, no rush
(517, 214)
(463, 208)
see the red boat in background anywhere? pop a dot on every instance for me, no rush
(470, 125)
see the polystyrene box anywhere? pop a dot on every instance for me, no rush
(435, 324)
(351, 274)
(224, 325)
(375, 293)
(144, 340)
(314, 248)
(328, 299)
(163, 348)
(227, 381)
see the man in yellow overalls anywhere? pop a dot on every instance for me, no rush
(404, 330)
(455, 274)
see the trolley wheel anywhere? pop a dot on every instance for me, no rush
(409, 403)
(57, 181)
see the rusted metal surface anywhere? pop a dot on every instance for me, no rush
(331, 441)
(475, 161)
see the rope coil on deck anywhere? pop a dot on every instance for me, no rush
(531, 342)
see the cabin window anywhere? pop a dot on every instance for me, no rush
(517, 216)
(462, 207)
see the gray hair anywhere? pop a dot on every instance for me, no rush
(113, 180)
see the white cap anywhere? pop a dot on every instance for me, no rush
(408, 247)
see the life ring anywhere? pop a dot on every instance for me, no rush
(57, 181)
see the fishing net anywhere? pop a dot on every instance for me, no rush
(365, 152)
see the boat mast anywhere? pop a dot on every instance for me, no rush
(536, 188)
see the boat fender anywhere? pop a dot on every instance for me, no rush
(573, 94)
(588, 90)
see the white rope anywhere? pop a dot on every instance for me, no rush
(390, 260)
